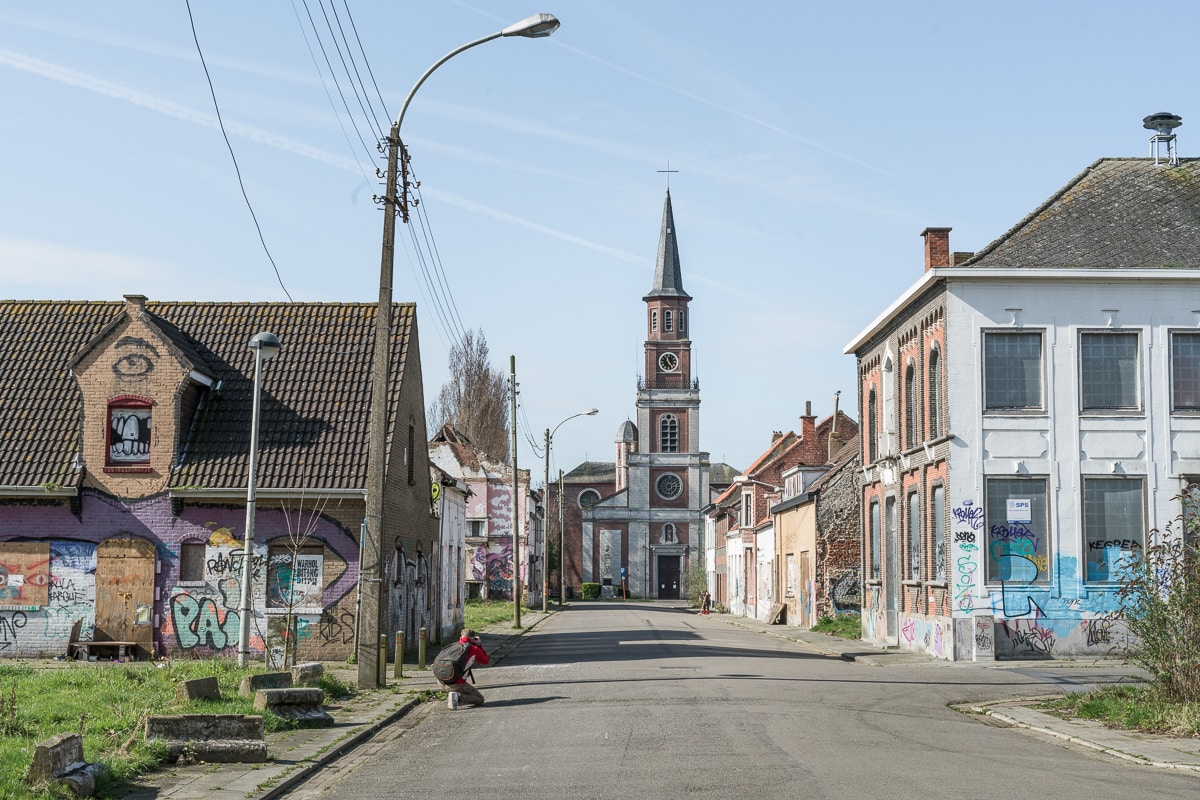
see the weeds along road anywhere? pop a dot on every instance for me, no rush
(653, 700)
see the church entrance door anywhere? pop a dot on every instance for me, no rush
(668, 577)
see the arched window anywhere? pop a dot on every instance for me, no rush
(889, 405)
(667, 320)
(682, 321)
(668, 533)
(653, 321)
(668, 433)
(872, 426)
(910, 405)
(934, 393)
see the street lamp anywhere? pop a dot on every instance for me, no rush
(536, 26)
(265, 346)
(591, 412)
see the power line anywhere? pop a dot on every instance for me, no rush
(232, 155)
(376, 128)
(354, 28)
(336, 83)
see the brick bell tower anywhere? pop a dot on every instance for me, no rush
(668, 475)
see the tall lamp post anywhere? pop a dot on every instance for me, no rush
(591, 412)
(370, 574)
(265, 346)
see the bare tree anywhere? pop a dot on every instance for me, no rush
(474, 398)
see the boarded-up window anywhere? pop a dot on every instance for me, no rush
(24, 574)
(191, 562)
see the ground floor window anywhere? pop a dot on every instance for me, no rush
(1017, 530)
(1114, 528)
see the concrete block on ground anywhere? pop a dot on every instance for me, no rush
(309, 674)
(264, 680)
(297, 703)
(198, 689)
(213, 738)
(59, 759)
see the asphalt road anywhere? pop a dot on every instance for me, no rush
(655, 701)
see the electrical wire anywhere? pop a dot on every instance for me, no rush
(354, 28)
(336, 83)
(354, 63)
(324, 85)
(376, 128)
(232, 155)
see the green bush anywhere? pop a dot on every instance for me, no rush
(590, 591)
(1160, 606)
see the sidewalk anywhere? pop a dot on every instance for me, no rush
(1140, 748)
(296, 755)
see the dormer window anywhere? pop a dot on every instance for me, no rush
(129, 425)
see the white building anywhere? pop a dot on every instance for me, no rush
(1030, 413)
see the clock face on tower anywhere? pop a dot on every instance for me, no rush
(668, 362)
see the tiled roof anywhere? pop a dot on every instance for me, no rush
(592, 472)
(721, 473)
(315, 397)
(1119, 213)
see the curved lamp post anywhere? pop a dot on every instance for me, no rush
(370, 574)
(562, 539)
(265, 346)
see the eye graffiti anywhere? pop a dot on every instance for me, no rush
(136, 361)
(668, 362)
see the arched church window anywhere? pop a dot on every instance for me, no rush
(653, 321)
(682, 321)
(667, 320)
(588, 498)
(668, 434)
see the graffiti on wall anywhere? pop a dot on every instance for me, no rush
(24, 575)
(207, 616)
(968, 526)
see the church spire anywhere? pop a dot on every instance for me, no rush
(668, 278)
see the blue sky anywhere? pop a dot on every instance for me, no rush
(813, 143)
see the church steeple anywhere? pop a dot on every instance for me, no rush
(668, 278)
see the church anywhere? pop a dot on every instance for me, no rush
(634, 525)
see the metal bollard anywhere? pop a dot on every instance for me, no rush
(422, 640)
(399, 654)
(382, 659)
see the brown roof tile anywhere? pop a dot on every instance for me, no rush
(313, 428)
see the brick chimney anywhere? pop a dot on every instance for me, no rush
(808, 423)
(937, 247)
(135, 305)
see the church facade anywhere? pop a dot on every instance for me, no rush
(634, 526)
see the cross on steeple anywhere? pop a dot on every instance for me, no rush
(668, 170)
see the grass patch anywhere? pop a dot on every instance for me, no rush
(846, 626)
(1139, 708)
(109, 705)
(478, 614)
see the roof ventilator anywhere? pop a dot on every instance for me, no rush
(1162, 124)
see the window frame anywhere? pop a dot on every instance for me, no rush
(1003, 538)
(1089, 519)
(872, 425)
(658, 482)
(937, 523)
(192, 547)
(1193, 378)
(933, 393)
(986, 368)
(915, 566)
(668, 433)
(1086, 366)
(654, 321)
(128, 403)
(910, 404)
(668, 321)
(875, 532)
